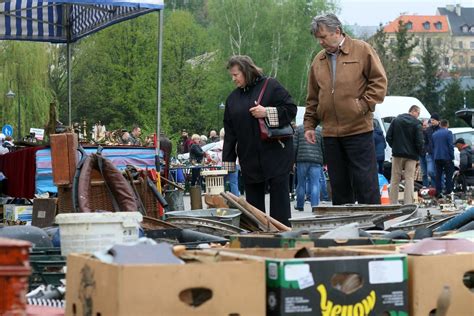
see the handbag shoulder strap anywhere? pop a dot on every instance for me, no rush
(260, 96)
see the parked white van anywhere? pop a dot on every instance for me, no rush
(390, 108)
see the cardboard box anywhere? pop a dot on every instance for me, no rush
(14, 212)
(237, 286)
(427, 277)
(309, 286)
(63, 157)
(273, 241)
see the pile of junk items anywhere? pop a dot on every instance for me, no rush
(128, 252)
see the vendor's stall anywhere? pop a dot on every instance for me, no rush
(67, 21)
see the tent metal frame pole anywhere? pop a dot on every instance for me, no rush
(69, 107)
(158, 87)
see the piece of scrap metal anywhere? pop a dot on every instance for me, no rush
(205, 225)
(325, 223)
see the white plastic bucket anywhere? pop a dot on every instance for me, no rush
(90, 232)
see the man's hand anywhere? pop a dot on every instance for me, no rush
(258, 111)
(310, 136)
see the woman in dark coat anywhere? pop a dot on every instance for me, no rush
(261, 162)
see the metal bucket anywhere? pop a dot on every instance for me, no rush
(223, 215)
(196, 197)
(175, 199)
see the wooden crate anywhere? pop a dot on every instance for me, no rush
(63, 157)
(100, 198)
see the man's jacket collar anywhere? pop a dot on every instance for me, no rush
(345, 48)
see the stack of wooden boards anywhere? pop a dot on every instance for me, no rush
(252, 218)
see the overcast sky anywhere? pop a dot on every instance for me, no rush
(372, 12)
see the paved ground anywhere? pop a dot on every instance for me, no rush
(294, 213)
(307, 207)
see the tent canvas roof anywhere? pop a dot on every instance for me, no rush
(67, 20)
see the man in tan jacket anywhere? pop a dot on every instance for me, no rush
(345, 82)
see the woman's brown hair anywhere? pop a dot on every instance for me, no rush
(247, 66)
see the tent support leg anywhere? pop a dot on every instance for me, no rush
(69, 83)
(158, 98)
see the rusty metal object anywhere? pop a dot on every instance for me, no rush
(171, 183)
(317, 223)
(14, 272)
(206, 226)
(150, 223)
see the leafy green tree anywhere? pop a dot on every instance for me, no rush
(191, 98)
(403, 78)
(429, 94)
(379, 42)
(58, 77)
(453, 99)
(403, 48)
(274, 33)
(114, 76)
(470, 98)
(114, 70)
(24, 68)
(198, 8)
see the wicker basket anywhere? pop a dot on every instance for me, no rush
(100, 198)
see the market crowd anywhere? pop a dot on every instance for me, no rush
(338, 141)
(345, 82)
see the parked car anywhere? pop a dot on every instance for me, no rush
(208, 148)
(461, 132)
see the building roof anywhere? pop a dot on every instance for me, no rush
(466, 18)
(418, 24)
(466, 83)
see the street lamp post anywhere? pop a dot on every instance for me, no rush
(219, 108)
(10, 94)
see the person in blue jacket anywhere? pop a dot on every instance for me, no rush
(443, 154)
(380, 146)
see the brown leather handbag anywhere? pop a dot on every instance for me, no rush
(272, 133)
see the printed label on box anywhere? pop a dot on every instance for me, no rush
(306, 281)
(387, 271)
(294, 272)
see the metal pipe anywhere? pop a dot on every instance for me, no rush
(158, 92)
(67, 10)
(19, 110)
(69, 107)
(158, 100)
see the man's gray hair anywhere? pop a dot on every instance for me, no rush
(330, 22)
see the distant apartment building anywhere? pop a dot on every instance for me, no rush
(461, 25)
(451, 31)
(423, 28)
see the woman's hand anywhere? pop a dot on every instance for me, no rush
(258, 111)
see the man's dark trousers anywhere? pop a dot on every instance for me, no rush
(446, 167)
(352, 168)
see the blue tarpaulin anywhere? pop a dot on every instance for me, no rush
(66, 21)
(120, 157)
